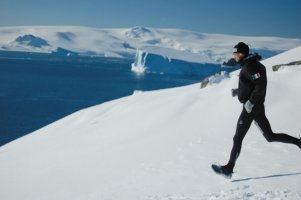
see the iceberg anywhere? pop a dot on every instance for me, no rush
(155, 63)
(139, 65)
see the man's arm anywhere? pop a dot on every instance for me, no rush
(259, 81)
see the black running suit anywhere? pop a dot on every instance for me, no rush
(252, 87)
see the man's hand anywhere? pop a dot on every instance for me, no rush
(234, 92)
(249, 106)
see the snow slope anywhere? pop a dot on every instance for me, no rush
(159, 145)
(172, 43)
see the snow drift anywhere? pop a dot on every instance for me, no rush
(159, 145)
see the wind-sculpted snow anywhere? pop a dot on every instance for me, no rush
(244, 192)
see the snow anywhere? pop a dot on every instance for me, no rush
(171, 43)
(159, 145)
(285, 58)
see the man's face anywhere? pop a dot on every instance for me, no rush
(237, 56)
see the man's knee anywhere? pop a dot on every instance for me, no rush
(269, 137)
(237, 138)
(267, 133)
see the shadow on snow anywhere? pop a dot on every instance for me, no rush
(264, 177)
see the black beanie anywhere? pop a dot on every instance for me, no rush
(241, 48)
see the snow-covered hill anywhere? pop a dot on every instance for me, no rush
(172, 43)
(159, 145)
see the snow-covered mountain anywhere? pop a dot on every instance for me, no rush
(159, 145)
(171, 43)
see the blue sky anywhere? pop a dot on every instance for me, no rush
(239, 17)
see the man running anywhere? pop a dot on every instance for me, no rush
(251, 92)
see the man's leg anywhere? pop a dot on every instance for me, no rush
(242, 127)
(263, 124)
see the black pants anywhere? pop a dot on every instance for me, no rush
(243, 125)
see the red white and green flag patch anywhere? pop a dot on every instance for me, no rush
(256, 76)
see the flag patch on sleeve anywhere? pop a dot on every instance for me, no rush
(256, 76)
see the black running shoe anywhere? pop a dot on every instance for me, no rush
(222, 170)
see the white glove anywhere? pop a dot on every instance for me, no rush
(249, 106)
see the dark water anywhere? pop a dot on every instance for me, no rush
(34, 93)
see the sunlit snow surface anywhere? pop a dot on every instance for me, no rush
(159, 145)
